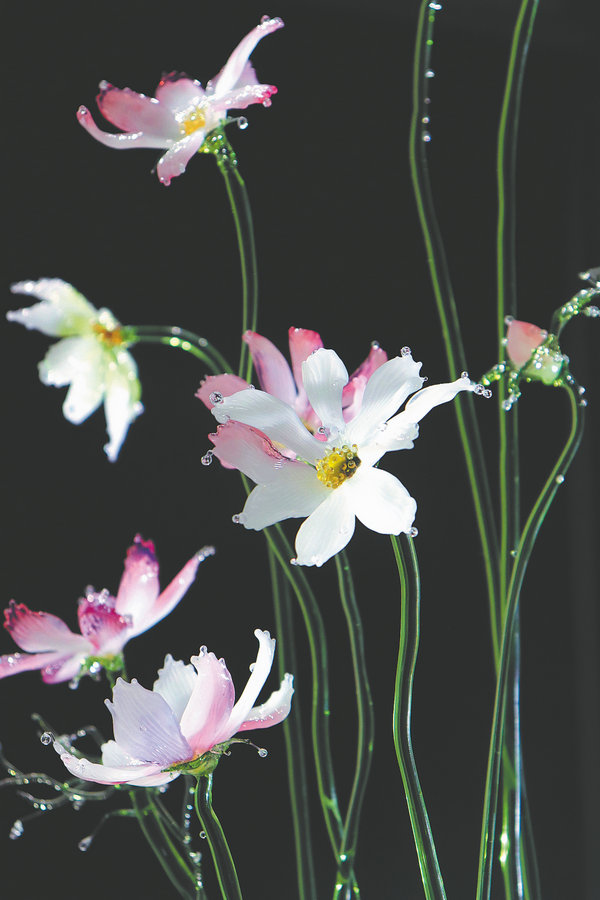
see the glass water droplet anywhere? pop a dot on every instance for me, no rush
(215, 397)
(413, 532)
(17, 830)
(202, 835)
(84, 843)
(375, 345)
(242, 123)
(429, 73)
(426, 137)
(559, 479)
(262, 752)
(207, 458)
(46, 738)
(406, 351)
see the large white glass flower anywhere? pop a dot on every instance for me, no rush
(185, 723)
(91, 357)
(335, 481)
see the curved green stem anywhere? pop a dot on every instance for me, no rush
(405, 670)
(181, 339)
(244, 231)
(294, 741)
(365, 731)
(215, 836)
(524, 550)
(446, 307)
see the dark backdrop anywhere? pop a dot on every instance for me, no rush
(340, 251)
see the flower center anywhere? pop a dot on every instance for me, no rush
(112, 337)
(192, 122)
(338, 465)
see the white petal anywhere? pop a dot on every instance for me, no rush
(260, 673)
(89, 771)
(324, 376)
(386, 390)
(63, 310)
(297, 493)
(115, 756)
(327, 530)
(175, 684)
(145, 726)
(273, 710)
(419, 405)
(381, 502)
(122, 401)
(272, 416)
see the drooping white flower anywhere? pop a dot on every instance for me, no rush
(91, 356)
(185, 723)
(331, 482)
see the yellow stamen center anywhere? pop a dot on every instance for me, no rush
(195, 120)
(337, 465)
(113, 337)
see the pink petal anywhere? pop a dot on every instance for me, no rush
(134, 112)
(522, 338)
(178, 92)
(260, 673)
(232, 72)
(175, 160)
(302, 344)
(42, 631)
(272, 369)
(242, 97)
(119, 141)
(139, 585)
(145, 726)
(101, 624)
(210, 703)
(353, 392)
(13, 663)
(225, 385)
(89, 771)
(113, 755)
(274, 710)
(63, 668)
(249, 450)
(172, 594)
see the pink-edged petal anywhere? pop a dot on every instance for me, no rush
(272, 369)
(133, 112)
(14, 663)
(324, 376)
(121, 401)
(99, 622)
(273, 710)
(120, 141)
(210, 703)
(225, 385)
(241, 447)
(240, 98)
(386, 390)
(139, 586)
(63, 668)
(175, 683)
(62, 311)
(35, 631)
(231, 73)
(175, 160)
(113, 755)
(145, 726)
(381, 502)
(178, 92)
(273, 417)
(352, 394)
(327, 530)
(172, 594)
(89, 771)
(260, 673)
(296, 495)
(522, 338)
(302, 343)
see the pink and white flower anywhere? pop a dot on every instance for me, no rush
(91, 357)
(106, 622)
(276, 377)
(329, 482)
(185, 723)
(182, 113)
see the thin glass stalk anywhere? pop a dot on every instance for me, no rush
(365, 729)
(446, 308)
(410, 588)
(180, 339)
(293, 735)
(244, 231)
(524, 550)
(215, 837)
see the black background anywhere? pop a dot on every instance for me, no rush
(339, 251)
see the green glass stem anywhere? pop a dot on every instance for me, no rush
(244, 231)
(408, 572)
(293, 735)
(345, 883)
(179, 872)
(523, 554)
(180, 339)
(446, 307)
(215, 836)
